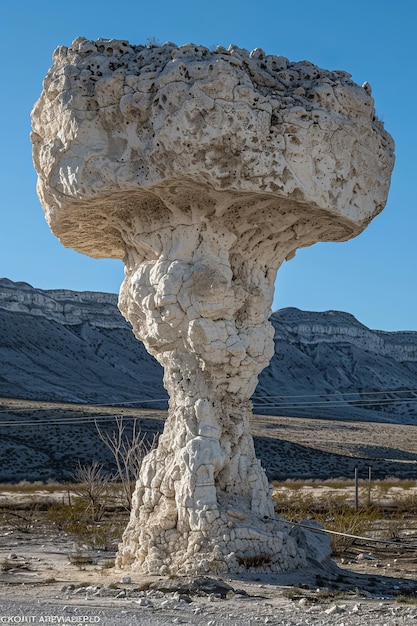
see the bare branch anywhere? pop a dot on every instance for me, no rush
(91, 485)
(128, 447)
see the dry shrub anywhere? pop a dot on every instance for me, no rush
(333, 512)
(75, 519)
(349, 521)
(129, 446)
(257, 560)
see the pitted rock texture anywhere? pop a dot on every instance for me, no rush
(115, 118)
(203, 170)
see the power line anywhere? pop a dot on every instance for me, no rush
(325, 531)
(67, 420)
(322, 401)
(351, 403)
(338, 394)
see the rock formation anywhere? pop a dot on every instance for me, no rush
(203, 170)
(75, 346)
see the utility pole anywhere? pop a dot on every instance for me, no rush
(356, 488)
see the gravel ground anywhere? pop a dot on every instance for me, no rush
(235, 611)
(112, 598)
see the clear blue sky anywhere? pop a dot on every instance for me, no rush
(373, 276)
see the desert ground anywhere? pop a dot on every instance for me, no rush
(43, 440)
(47, 575)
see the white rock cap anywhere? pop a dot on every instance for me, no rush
(129, 138)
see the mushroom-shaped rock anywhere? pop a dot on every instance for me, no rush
(203, 170)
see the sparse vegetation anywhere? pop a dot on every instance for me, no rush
(27, 487)
(334, 509)
(382, 486)
(90, 511)
(23, 520)
(10, 564)
(113, 586)
(330, 594)
(403, 599)
(256, 560)
(81, 560)
(294, 593)
(128, 446)
(93, 495)
(92, 486)
(75, 519)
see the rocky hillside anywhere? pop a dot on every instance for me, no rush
(329, 365)
(70, 346)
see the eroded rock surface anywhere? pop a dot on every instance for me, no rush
(203, 170)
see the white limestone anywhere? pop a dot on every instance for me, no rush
(203, 170)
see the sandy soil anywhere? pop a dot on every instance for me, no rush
(45, 575)
(41, 582)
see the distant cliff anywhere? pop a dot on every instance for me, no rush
(71, 346)
(330, 365)
(60, 305)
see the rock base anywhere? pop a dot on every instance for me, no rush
(235, 543)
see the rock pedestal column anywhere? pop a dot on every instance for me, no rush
(202, 501)
(203, 170)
